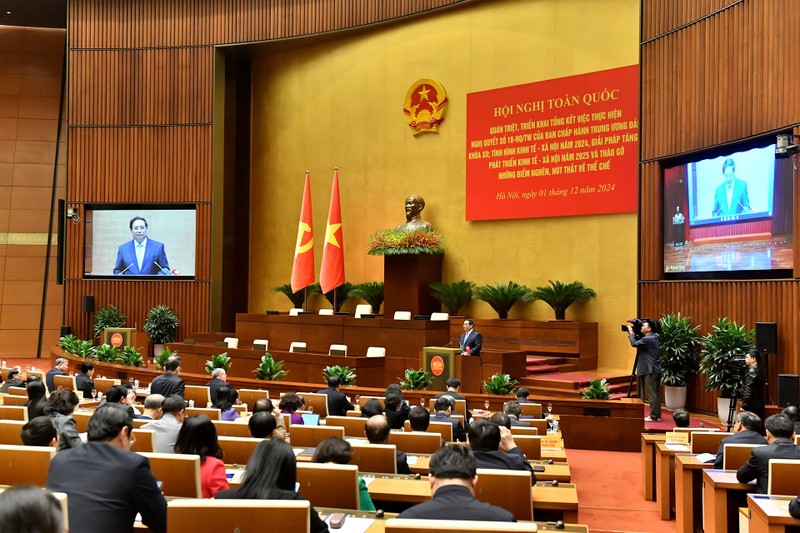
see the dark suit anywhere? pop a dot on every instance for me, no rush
(337, 402)
(474, 342)
(153, 253)
(458, 429)
(518, 423)
(11, 383)
(753, 391)
(106, 487)
(397, 418)
(757, 467)
(794, 507)
(402, 463)
(84, 383)
(168, 384)
(213, 386)
(49, 378)
(317, 525)
(456, 396)
(514, 459)
(740, 201)
(455, 502)
(743, 437)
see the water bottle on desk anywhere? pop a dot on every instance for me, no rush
(191, 403)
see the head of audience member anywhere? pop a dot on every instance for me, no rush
(779, 427)
(333, 450)
(377, 429)
(443, 404)
(262, 425)
(14, 374)
(291, 402)
(522, 394)
(62, 401)
(30, 509)
(792, 411)
(36, 391)
(393, 401)
(272, 466)
(225, 398)
(112, 424)
(87, 367)
(131, 392)
(483, 436)
(174, 405)
(681, 418)
(371, 408)
(500, 419)
(62, 364)
(263, 405)
(334, 382)
(40, 432)
(393, 388)
(117, 394)
(198, 436)
(173, 364)
(513, 408)
(419, 418)
(220, 374)
(453, 465)
(747, 421)
(152, 406)
(453, 384)
(29, 379)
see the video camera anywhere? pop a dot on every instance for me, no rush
(655, 325)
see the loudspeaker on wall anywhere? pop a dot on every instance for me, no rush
(767, 337)
(88, 304)
(788, 389)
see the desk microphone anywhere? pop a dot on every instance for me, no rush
(449, 344)
(126, 268)
(164, 271)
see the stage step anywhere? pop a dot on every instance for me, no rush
(569, 385)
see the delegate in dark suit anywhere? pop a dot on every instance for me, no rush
(744, 437)
(757, 467)
(471, 342)
(213, 386)
(106, 487)
(49, 378)
(168, 384)
(84, 383)
(337, 402)
(454, 502)
(459, 433)
(128, 265)
(514, 459)
(402, 463)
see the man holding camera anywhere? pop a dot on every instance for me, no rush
(648, 367)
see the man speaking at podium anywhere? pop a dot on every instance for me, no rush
(470, 341)
(141, 256)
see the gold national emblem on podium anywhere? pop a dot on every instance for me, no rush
(424, 105)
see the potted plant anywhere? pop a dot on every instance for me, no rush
(345, 374)
(161, 325)
(161, 359)
(297, 298)
(220, 360)
(500, 384)
(270, 369)
(371, 292)
(130, 356)
(559, 296)
(107, 317)
(722, 370)
(415, 379)
(598, 389)
(502, 296)
(75, 346)
(453, 295)
(105, 353)
(402, 242)
(680, 343)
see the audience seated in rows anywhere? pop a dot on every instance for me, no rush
(265, 405)
(291, 402)
(746, 430)
(262, 425)
(780, 439)
(152, 407)
(378, 431)
(169, 382)
(494, 447)
(681, 418)
(37, 398)
(444, 407)
(198, 436)
(119, 394)
(106, 483)
(39, 432)
(59, 369)
(453, 390)
(15, 379)
(25, 508)
(337, 401)
(83, 381)
(514, 412)
(59, 407)
(338, 451)
(169, 425)
(271, 474)
(225, 399)
(419, 418)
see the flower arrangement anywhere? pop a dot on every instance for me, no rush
(401, 242)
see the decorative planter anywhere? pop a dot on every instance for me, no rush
(675, 397)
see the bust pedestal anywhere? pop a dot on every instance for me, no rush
(406, 283)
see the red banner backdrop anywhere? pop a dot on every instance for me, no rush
(560, 147)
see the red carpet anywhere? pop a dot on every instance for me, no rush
(667, 423)
(573, 377)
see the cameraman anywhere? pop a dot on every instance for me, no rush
(648, 367)
(753, 386)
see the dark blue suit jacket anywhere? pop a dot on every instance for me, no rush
(474, 343)
(153, 253)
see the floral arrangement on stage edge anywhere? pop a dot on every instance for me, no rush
(401, 242)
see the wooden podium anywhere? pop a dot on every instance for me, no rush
(445, 363)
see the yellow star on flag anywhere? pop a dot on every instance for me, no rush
(330, 234)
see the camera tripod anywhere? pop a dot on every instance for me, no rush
(732, 408)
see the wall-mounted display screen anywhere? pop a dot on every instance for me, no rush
(148, 240)
(728, 214)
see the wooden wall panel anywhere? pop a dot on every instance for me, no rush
(663, 16)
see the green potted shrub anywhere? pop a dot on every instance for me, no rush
(297, 298)
(453, 295)
(107, 317)
(680, 345)
(415, 379)
(371, 292)
(270, 369)
(722, 371)
(500, 384)
(130, 356)
(161, 325)
(598, 389)
(559, 296)
(75, 346)
(502, 296)
(105, 353)
(346, 375)
(220, 360)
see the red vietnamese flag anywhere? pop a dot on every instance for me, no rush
(303, 266)
(331, 273)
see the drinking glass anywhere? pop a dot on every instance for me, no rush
(94, 394)
(549, 408)
(422, 402)
(486, 404)
(310, 408)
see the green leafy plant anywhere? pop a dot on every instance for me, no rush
(500, 384)
(598, 389)
(726, 339)
(161, 360)
(559, 296)
(130, 356)
(680, 346)
(415, 379)
(75, 346)
(402, 242)
(346, 375)
(218, 361)
(341, 293)
(161, 324)
(105, 353)
(502, 296)
(270, 369)
(297, 298)
(107, 317)
(453, 295)
(371, 292)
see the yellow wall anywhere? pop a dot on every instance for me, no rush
(339, 103)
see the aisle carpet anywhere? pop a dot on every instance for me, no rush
(610, 493)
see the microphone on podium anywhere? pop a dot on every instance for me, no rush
(126, 269)
(164, 270)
